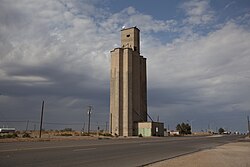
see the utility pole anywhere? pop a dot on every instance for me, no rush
(168, 131)
(83, 127)
(191, 123)
(106, 129)
(89, 113)
(248, 126)
(110, 130)
(27, 126)
(41, 122)
(98, 129)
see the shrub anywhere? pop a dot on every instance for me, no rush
(26, 135)
(221, 131)
(66, 134)
(9, 135)
(184, 128)
(107, 134)
(67, 130)
(84, 134)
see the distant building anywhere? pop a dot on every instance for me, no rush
(128, 85)
(174, 133)
(7, 130)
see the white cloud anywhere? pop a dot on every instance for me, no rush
(198, 12)
(55, 33)
(212, 68)
(65, 35)
(130, 18)
(229, 4)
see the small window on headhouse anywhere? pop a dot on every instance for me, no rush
(128, 35)
(135, 48)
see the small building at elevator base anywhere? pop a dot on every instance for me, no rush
(147, 129)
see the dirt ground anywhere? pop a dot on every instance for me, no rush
(229, 155)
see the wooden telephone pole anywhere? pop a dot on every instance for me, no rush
(89, 113)
(41, 122)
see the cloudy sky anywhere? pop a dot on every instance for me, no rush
(198, 56)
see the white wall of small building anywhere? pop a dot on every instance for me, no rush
(148, 129)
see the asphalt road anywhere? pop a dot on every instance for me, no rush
(105, 152)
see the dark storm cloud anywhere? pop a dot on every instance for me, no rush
(173, 95)
(52, 81)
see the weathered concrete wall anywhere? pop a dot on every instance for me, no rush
(130, 38)
(116, 98)
(127, 92)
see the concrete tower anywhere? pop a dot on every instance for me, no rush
(128, 85)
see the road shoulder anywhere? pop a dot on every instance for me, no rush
(230, 155)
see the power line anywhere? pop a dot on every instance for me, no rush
(57, 123)
(48, 123)
(14, 121)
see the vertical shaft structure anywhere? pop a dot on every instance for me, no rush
(128, 85)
